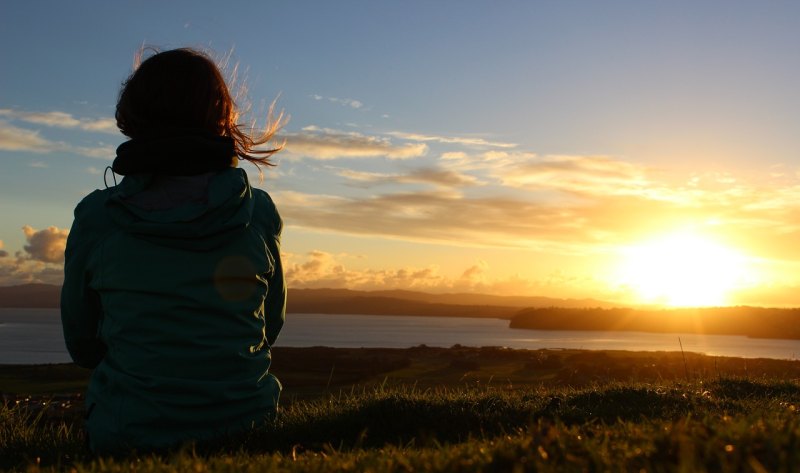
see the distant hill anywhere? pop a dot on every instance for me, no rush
(756, 322)
(345, 301)
(30, 296)
(456, 298)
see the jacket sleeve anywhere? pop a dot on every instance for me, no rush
(80, 305)
(275, 304)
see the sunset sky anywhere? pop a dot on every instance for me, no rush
(629, 151)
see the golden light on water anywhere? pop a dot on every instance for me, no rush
(682, 270)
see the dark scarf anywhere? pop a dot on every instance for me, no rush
(182, 154)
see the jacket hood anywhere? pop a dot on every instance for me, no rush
(201, 214)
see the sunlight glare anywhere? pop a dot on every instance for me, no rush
(682, 270)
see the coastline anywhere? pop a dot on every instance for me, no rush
(313, 371)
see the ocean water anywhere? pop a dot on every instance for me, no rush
(29, 336)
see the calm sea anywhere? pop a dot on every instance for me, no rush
(34, 336)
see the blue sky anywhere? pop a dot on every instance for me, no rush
(508, 147)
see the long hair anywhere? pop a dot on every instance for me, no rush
(183, 90)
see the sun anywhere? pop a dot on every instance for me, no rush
(682, 270)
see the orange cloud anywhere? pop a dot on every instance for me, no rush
(563, 205)
(476, 273)
(427, 175)
(41, 260)
(324, 144)
(576, 174)
(318, 269)
(47, 245)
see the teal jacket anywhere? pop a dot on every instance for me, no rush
(175, 307)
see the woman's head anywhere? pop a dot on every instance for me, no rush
(183, 90)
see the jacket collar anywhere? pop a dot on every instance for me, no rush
(185, 153)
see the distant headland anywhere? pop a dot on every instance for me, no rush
(534, 313)
(346, 301)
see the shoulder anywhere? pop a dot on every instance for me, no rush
(266, 212)
(95, 200)
(91, 214)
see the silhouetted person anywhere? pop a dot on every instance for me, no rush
(173, 286)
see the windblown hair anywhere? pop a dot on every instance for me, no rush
(183, 90)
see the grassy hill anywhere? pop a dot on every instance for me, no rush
(464, 409)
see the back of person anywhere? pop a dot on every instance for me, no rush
(173, 286)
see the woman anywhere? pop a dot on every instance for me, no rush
(173, 286)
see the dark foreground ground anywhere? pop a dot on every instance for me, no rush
(309, 373)
(457, 409)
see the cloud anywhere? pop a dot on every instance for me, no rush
(13, 138)
(576, 174)
(41, 260)
(47, 245)
(18, 271)
(38, 164)
(98, 152)
(319, 269)
(324, 144)
(465, 141)
(488, 163)
(442, 177)
(62, 120)
(476, 273)
(323, 270)
(440, 216)
(454, 155)
(428, 175)
(357, 104)
(571, 205)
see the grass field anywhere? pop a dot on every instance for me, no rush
(458, 409)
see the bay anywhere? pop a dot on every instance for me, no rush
(29, 336)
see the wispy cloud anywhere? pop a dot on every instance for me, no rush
(13, 138)
(440, 216)
(352, 103)
(62, 120)
(321, 143)
(454, 155)
(99, 152)
(459, 140)
(427, 175)
(575, 174)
